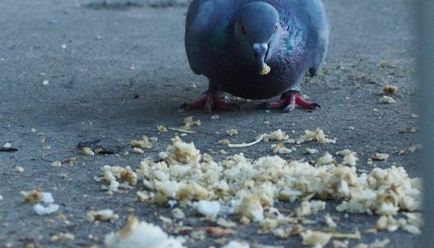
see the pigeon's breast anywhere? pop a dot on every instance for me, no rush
(248, 83)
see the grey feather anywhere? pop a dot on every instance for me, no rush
(213, 45)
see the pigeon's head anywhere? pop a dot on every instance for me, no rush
(257, 32)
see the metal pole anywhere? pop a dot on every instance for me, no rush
(425, 71)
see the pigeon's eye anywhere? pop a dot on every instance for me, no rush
(276, 27)
(243, 29)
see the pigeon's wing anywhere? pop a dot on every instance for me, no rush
(200, 18)
(320, 31)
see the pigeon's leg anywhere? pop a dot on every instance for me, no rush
(291, 100)
(211, 100)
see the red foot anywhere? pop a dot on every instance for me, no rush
(209, 102)
(290, 101)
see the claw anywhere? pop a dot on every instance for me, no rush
(183, 107)
(209, 102)
(289, 108)
(290, 101)
(316, 105)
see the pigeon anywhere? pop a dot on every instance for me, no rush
(255, 50)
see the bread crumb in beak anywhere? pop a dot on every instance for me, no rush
(265, 70)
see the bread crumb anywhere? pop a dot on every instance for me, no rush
(309, 207)
(412, 223)
(317, 135)
(350, 157)
(62, 237)
(138, 150)
(56, 164)
(141, 234)
(380, 157)
(362, 245)
(268, 225)
(237, 244)
(327, 158)
(315, 238)
(390, 89)
(102, 215)
(278, 135)
(340, 244)
(251, 208)
(329, 221)
(162, 129)
(47, 197)
(142, 196)
(282, 232)
(380, 243)
(337, 235)
(280, 149)
(183, 152)
(33, 196)
(41, 210)
(178, 214)
(386, 100)
(142, 143)
(224, 142)
(311, 150)
(198, 235)
(87, 151)
(232, 132)
(219, 231)
(189, 123)
(209, 209)
(111, 174)
(265, 70)
(387, 222)
(70, 160)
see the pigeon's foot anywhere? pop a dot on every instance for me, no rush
(290, 101)
(209, 102)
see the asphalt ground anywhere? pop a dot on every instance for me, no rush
(115, 72)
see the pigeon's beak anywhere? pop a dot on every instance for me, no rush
(260, 51)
